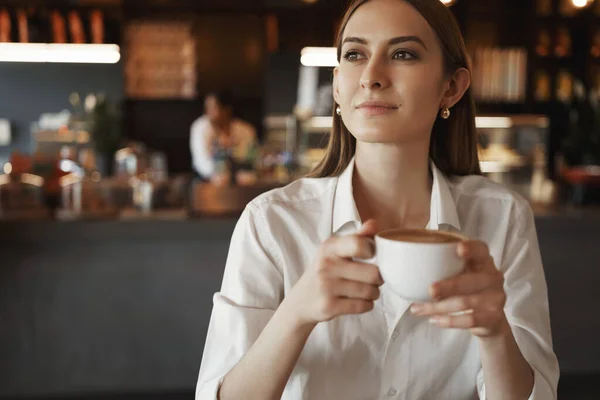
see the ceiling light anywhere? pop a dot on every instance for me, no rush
(319, 57)
(581, 3)
(60, 53)
(493, 122)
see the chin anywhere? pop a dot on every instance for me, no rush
(375, 137)
(376, 133)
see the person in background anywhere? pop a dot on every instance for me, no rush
(217, 134)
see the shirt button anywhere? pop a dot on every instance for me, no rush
(392, 392)
(395, 334)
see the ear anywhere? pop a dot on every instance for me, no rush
(336, 92)
(456, 87)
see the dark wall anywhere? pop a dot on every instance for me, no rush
(123, 307)
(281, 82)
(28, 90)
(164, 125)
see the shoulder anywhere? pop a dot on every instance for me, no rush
(291, 217)
(244, 127)
(200, 123)
(480, 193)
(297, 194)
(303, 203)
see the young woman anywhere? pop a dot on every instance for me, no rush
(298, 317)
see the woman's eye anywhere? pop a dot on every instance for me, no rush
(404, 55)
(351, 55)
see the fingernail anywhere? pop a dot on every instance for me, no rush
(460, 250)
(416, 308)
(372, 244)
(433, 292)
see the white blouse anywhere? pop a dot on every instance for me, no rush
(386, 353)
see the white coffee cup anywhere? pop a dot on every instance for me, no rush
(411, 260)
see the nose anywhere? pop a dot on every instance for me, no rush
(374, 75)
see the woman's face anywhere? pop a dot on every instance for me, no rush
(390, 83)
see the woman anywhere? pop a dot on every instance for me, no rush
(217, 134)
(298, 316)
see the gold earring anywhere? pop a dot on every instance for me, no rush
(445, 113)
(338, 110)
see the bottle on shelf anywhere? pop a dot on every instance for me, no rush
(5, 26)
(542, 86)
(23, 25)
(59, 32)
(595, 49)
(544, 43)
(76, 28)
(596, 80)
(564, 43)
(97, 26)
(564, 86)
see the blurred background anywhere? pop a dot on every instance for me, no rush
(113, 240)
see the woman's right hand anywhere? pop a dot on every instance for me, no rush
(336, 284)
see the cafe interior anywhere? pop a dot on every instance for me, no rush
(113, 240)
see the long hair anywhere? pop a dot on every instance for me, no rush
(453, 145)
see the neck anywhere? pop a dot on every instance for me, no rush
(392, 184)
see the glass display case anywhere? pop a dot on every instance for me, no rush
(512, 151)
(22, 197)
(86, 197)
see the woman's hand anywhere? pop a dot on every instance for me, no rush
(335, 284)
(472, 300)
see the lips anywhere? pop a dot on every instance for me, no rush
(376, 107)
(377, 104)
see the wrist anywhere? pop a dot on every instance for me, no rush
(293, 319)
(501, 334)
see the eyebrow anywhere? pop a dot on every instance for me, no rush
(391, 42)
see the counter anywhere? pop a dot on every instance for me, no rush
(124, 306)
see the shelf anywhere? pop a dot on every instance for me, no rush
(553, 58)
(131, 99)
(496, 121)
(62, 136)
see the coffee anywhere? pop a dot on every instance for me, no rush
(411, 260)
(421, 236)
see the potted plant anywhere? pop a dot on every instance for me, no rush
(105, 128)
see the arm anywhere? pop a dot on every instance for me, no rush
(266, 368)
(200, 148)
(251, 291)
(331, 287)
(527, 313)
(506, 373)
(251, 349)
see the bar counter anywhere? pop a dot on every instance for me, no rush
(124, 306)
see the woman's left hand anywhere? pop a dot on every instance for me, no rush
(473, 300)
